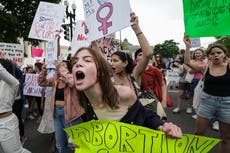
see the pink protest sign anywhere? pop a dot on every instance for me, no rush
(36, 52)
(106, 17)
(47, 21)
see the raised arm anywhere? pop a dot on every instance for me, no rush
(187, 60)
(8, 78)
(146, 49)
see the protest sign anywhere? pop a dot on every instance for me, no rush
(115, 137)
(47, 21)
(206, 18)
(36, 52)
(79, 38)
(105, 17)
(31, 86)
(14, 52)
(108, 45)
(195, 42)
(51, 53)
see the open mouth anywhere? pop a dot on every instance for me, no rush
(80, 75)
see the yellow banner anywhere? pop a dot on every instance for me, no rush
(116, 137)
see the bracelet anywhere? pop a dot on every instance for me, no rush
(137, 34)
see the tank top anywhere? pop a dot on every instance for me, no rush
(59, 94)
(217, 85)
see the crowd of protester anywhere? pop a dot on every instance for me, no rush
(88, 87)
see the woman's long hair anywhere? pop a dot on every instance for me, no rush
(109, 92)
(125, 57)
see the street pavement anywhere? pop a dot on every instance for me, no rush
(39, 143)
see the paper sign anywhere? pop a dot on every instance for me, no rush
(14, 52)
(104, 17)
(36, 52)
(31, 86)
(51, 53)
(116, 137)
(108, 45)
(206, 17)
(195, 42)
(79, 38)
(47, 21)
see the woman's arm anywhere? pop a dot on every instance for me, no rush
(42, 81)
(145, 47)
(8, 78)
(187, 60)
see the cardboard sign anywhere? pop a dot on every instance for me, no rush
(51, 53)
(47, 21)
(116, 137)
(15, 52)
(195, 42)
(79, 38)
(206, 18)
(104, 17)
(31, 86)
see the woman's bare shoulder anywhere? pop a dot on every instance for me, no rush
(126, 94)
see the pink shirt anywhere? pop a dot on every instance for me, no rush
(198, 75)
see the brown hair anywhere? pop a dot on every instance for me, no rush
(222, 47)
(198, 49)
(110, 94)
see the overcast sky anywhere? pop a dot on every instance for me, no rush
(160, 20)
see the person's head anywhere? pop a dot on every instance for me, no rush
(158, 58)
(182, 51)
(38, 67)
(29, 69)
(90, 69)
(67, 64)
(8, 65)
(217, 53)
(198, 54)
(121, 62)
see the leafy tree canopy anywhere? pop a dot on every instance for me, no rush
(168, 49)
(16, 17)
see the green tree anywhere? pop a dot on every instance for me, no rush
(16, 17)
(168, 49)
(225, 40)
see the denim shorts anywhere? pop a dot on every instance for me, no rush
(214, 107)
(193, 85)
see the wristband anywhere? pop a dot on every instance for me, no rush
(137, 34)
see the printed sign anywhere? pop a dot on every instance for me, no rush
(79, 38)
(206, 17)
(104, 17)
(15, 52)
(195, 42)
(31, 86)
(51, 53)
(47, 21)
(116, 137)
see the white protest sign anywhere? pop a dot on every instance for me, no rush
(51, 53)
(47, 21)
(195, 42)
(79, 38)
(31, 86)
(14, 52)
(104, 17)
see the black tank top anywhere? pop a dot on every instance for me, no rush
(59, 94)
(217, 85)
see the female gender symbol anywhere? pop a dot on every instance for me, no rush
(105, 25)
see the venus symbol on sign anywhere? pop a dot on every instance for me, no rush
(105, 25)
